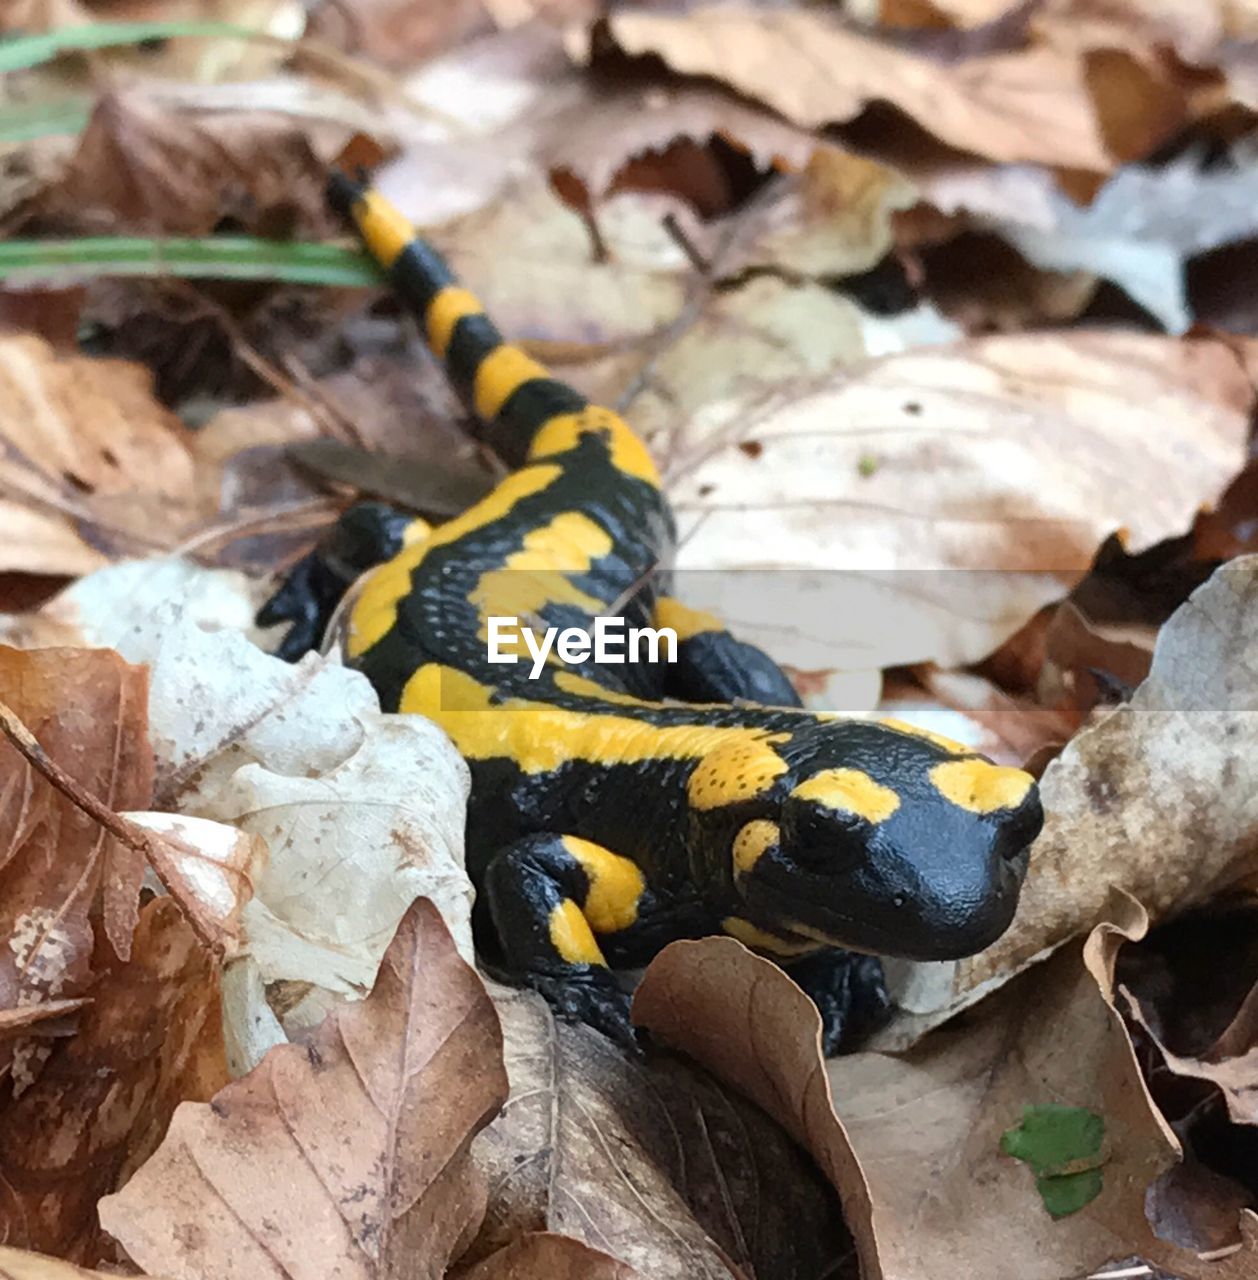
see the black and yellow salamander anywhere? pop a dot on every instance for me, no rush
(615, 808)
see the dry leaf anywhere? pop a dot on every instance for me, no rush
(912, 1143)
(150, 1039)
(87, 708)
(89, 447)
(544, 1256)
(1156, 799)
(1032, 105)
(1009, 459)
(351, 1150)
(139, 167)
(651, 1162)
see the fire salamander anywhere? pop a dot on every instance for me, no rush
(615, 808)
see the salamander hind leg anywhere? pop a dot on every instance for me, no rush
(714, 666)
(551, 898)
(368, 534)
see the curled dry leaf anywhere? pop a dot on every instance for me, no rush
(150, 1039)
(1158, 798)
(352, 1148)
(89, 450)
(650, 1161)
(57, 866)
(1032, 105)
(913, 1143)
(935, 500)
(361, 812)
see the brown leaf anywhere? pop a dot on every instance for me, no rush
(139, 167)
(90, 451)
(544, 1256)
(58, 868)
(352, 1149)
(1008, 458)
(1156, 798)
(150, 1039)
(1029, 106)
(912, 1142)
(652, 1162)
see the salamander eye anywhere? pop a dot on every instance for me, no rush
(822, 837)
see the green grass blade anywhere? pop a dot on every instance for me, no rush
(215, 257)
(18, 52)
(22, 121)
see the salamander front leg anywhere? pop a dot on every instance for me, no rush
(850, 993)
(368, 534)
(714, 666)
(550, 897)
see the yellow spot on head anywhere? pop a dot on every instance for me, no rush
(761, 940)
(948, 744)
(444, 312)
(737, 769)
(570, 935)
(384, 229)
(685, 621)
(980, 787)
(503, 370)
(751, 842)
(616, 885)
(849, 791)
(627, 451)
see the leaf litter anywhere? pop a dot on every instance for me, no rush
(889, 283)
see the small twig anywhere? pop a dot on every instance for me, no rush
(126, 833)
(686, 244)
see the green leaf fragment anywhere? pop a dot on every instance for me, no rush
(1063, 1145)
(17, 52)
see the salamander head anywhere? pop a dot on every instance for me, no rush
(891, 842)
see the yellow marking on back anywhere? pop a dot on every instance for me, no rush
(739, 768)
(753, 840)
(616, 885)
(849, 791)
(415, 532)
(538, 574)
(384, 229)
(980, 787)
(499, 374)
(539, 736)
(687, 622)
(948, 744)
(375, 611)
(759, 940)
(444, 312)
(570, 935)
(628, 453)
(584, 687)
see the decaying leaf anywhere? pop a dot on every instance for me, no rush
(1156, 798)
(59, 868)
(87, 445)
(651, 1162)
(150, 1038)
(935, 500)
(351, 1149)
(913, 1142)
(1032, 105)
(556, 1257)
